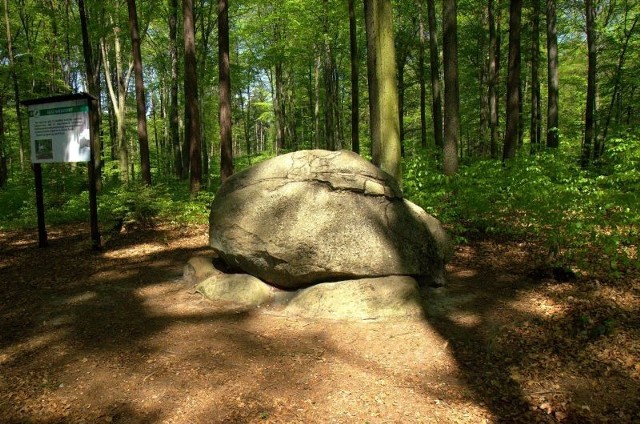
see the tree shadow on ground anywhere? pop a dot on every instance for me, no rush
(81, 339)
(524, 349)
(74, 324)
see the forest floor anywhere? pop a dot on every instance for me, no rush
(118, 337)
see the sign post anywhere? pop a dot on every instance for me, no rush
(60, 132)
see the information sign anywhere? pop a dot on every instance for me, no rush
(60, 131)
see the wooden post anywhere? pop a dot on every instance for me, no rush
(42, 230)
(75, 100)
(93, 201)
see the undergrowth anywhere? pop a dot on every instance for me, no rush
(585, 218)
(589, 219)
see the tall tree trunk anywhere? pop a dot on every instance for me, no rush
(371, 29)
(483, 98)
(553, 81)
(192, 113)
(118, 100)
(355, 91)
(513, 82)
(317, 139)
(226, 152)
(536, 118)
(494, 72)
(16, 86)
(434, 61)
(590, 112)
(3, 156)
(141, 103)
(617, 81)
(383, 91)
(402, 62)
(174, 119)
(329, 94)
(92, 69)
(279, 108)
(451, 90)
(421, 78)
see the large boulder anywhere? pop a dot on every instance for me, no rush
(316, 216)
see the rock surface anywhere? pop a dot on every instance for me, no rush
(368, 298)
(316, 216)
(237, 288)
(198, 268)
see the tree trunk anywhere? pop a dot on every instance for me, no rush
(552, 76)
(617, 81)
(436, 92)
(279, 106)
(536, 118)
(513, 83)
(118, 100)
(226, 152)
(402, 61)
(383, 91)
(3, 157)
(451, 91)
(590, 112)
(317, 139)
(494, 72)
(16, 86)
(371, 29)
(174, 119)
(329, 94)
(93, 82)
(141, 103)
(355, 91)
(421, 78)
(192, 113)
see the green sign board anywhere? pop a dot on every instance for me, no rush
(60, 131)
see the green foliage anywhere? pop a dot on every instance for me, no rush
(138, 205)
(133, 205)
(579, 215)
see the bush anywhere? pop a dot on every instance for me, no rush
(577, 214)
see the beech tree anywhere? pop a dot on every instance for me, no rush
(174, 118)
(513, 82)
(355, 90)
(536, 121)
(451, 90)
(92, 69)
(552, 76)
(590, 111)
(192, 136)
(119, 77)
(226, 153)
(141, 106)
(434, 60)
(494, 72)
(383, 91)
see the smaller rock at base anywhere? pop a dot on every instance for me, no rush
(198, 268)
(237, 288)
(363, 299)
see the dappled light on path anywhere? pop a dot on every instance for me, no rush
(117, 336)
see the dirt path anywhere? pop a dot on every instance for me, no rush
(117, 337)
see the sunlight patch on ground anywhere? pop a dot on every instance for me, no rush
(81, 298)
(32, 344)
(537, 305)
(139, 251)
(468, 319)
